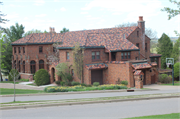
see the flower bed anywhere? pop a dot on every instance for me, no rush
(83, 88)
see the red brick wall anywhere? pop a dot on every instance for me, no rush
(26, 76)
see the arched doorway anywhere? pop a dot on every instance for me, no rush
(33, 66)
(52, 74)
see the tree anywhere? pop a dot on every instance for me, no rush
(1, 19)
(3, 47)
(32, 31)
(78, 61)
(64, 30)
(176, 69)
(148, 31)
(12, 34)
(164, 48)
(173, 12)
(176, 50)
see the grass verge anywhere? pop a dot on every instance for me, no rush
(176, 83)
(9, 82)
(7, 91)
(24, 103)
(164, 116)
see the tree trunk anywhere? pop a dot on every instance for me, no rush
(1, 75)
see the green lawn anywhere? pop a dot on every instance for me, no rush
(164, 116)
(7, 91)
(176, 83)
(9, 82)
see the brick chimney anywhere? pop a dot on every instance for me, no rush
(50, 30)
(141, 25)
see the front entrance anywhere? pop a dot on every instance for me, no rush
(153, 78)
(97, 76)
(144, 81)
(52, 74)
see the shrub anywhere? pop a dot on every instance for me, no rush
(164, 78)
(176, 69)
(83, 84)
(73, 83)
(62, 83)
(26, 80)
(57, 82)
(41, 77)
(124, 82)
(96, 84)
(89, 85)
(13, 71)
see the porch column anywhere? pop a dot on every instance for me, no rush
(109, 56)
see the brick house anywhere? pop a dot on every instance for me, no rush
(110, 54)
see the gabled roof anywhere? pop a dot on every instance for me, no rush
(141, 66)
(39, 38)
(155, 55)
(111, 38)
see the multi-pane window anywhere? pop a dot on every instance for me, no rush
(125, 55)
(14, 49)
(33, 66)
(67, 55)
(19, 66)
(41, 64)
(23, 66)
(137, 44)
(23, 49)
(137, 33)
(72, 72)
(96, 55)
(40, 49)
(54, 49)
(146, 47)
(19, 48)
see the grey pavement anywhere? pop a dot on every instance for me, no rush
(97, 111)
(162, 89)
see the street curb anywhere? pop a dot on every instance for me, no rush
(79, 92)
(87, 102)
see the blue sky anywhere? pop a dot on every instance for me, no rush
(89, 14)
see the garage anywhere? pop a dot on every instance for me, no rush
(97, 76)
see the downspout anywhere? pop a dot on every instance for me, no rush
(139, 55)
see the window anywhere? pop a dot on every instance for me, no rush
(19, 48)
(15, 64)
(136, 58)
(23, 66)
(137, 33)
(146, 47)
(41, 64)
(40, 49)
(54, 49)
(67, 55)
(23, 49)
(96, 55)
(33, 67)
(137, 44)
(125, 55)
(72, 72)
(19, 66)
(14, 49)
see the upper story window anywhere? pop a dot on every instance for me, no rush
(23, 49)
(19, 48)
(67, 55)
(40, 49)
(54, 49)
(137, 33)
(125, 55)
(146, 47)
(72, 72)
(95, 55)
(14, 49)
(137, 44)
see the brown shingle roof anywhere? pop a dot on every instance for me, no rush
(141, 66)
(155, 55)
(111, 38)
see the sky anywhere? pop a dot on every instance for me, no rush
(78, 15)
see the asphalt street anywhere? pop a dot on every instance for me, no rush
(98, 111)
(78, 96)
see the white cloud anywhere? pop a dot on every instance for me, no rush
(63, 9)
(11, 16)
(84, 12)
(56, 0)
(41, 15)
(26, 18)
(136, 8)
(39, 2)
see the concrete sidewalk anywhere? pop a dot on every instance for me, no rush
(162, 87)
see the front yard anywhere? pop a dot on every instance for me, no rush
(176, 83)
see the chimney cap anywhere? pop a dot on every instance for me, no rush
(140, 18)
